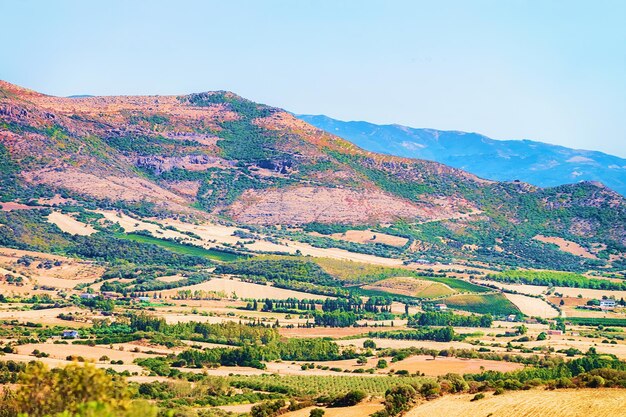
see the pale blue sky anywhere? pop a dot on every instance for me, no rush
(553, 71)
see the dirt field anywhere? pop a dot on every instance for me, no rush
(67, 275)
(46, 316)
(411, 287)
(70, 225)
(442, 366)
(566, 246)
(368, 236)
(245, 290)
(11, 205)
(520, 288)
(399, 344)
(531, 306)
(91, 353)
(170, 278)
(334, 332)
(54, 363)
(534, 403)
(360, 410)
(589, 293)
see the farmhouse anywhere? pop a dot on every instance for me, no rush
(441, 307)
(70, 334)
(555, 332)
(607, 304)
(87, 296)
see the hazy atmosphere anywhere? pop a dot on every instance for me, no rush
(549, 71)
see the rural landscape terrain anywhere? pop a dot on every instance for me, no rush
(205, 255)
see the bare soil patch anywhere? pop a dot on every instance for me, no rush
(442, 365)
(369, 236)
(70, 225)
(245, 290)
(566, 246)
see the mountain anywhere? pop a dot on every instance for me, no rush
(537, 163)
(217, 155)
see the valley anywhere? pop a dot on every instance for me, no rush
(213, 256)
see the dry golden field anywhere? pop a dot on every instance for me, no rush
(533, 403)
(531, 306)
(242, 289)
(442, 365)
(412, 287)
(566, 246)
(359, 410)
(70, 225)
(368, 236)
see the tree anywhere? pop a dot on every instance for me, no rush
(382, 364)
(43, 391)
(399, 399)
(369, 344)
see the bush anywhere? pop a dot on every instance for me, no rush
(351, 398)
(429, 389)
(369, 344)
(478, 396)
(317, 412)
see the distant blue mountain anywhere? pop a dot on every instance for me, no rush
(537, 163)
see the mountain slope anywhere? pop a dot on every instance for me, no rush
(218, 155)
(537, 163)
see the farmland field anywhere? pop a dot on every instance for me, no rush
(458, 284)
(411, 287)
(368, 236)
(246, 290)
(495, 304)
(532, 306)
(533, 403)
(442, 366)
(70, 225)
(181, 249)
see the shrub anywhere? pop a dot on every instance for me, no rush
(317, 412)
(369, 344)
(478, 396)
(351, 398)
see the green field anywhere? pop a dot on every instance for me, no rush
(321, 385)
(180, 248)
(597, 321)
(457, 284)
(494, 304)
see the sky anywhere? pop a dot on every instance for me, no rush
(547, 70)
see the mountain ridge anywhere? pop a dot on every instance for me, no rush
(217, 155)
(538, 163)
